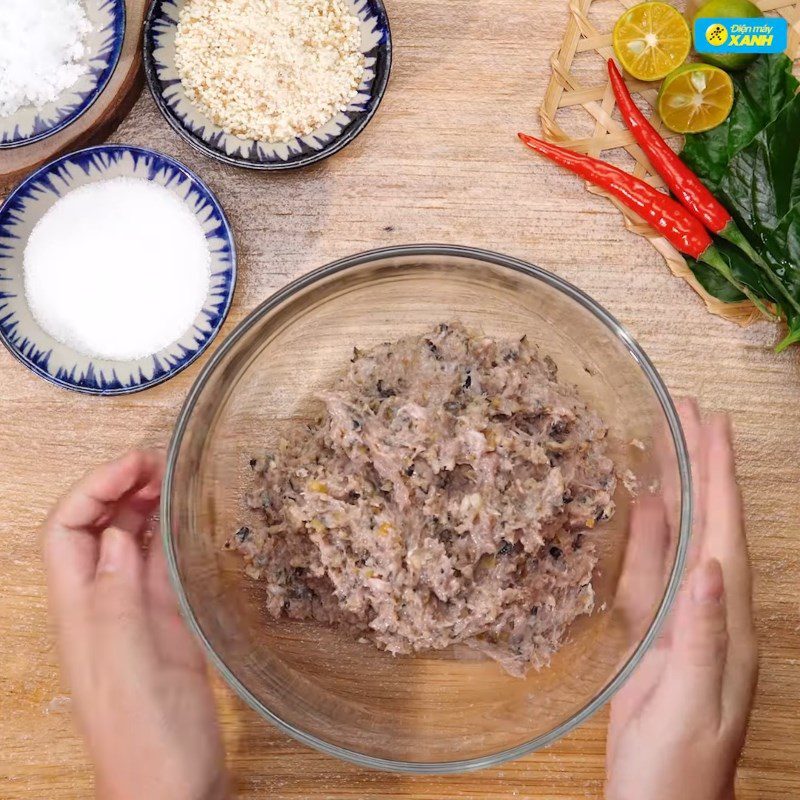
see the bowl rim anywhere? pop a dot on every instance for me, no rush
(120, 24)
(670, 593)
(200, 184)
(334, 146)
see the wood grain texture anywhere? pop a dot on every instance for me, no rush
(110, 108)
(440, 162)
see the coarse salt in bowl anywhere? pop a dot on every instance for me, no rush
(97, 306)
(77, 83)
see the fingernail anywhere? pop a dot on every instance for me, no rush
(112, 550)
(707, 583)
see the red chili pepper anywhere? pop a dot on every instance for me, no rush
(677, 225)
(669, 218)
(685, 185)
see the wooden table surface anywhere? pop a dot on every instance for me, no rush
(439, 163)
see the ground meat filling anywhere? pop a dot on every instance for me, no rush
(447, 495)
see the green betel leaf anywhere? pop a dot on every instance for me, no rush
(782, 250)
(762, 182)
(752, 164)
(761, 189)
(792, 337)
(714, 283)
(760, 92)
(744, 270)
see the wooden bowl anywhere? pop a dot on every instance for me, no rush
(104, 45)
(98, 120)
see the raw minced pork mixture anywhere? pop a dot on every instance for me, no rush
(448, 494)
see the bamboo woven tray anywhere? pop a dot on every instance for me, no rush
(579, 111)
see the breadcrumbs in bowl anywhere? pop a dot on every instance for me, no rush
(267, 84)
(269, 70)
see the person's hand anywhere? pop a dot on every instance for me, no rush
(678, 725)
(138, 679)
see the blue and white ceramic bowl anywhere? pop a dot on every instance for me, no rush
(59, 363)
(104, 43)
(204, 135)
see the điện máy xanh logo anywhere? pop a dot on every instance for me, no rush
(740, 35)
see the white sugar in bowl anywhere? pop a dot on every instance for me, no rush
(117, 268)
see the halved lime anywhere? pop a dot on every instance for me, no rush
(695, 98)
(651, 40)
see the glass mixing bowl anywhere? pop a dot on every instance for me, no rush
(442, 711)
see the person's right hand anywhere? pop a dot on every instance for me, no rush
(678, 725)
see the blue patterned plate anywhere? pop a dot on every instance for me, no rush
(60, 364)
(208, 138)
(29, 124)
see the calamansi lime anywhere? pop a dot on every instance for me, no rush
(725, 9)
(651, 40)
(695, 98)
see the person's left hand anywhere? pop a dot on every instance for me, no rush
(138, 679)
